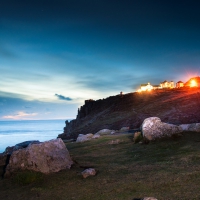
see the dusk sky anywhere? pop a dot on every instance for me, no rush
(54, 54)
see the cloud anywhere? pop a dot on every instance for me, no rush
(5, 53)
(61, 97)
(20, 115)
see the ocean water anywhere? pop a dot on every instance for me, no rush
(13, 132)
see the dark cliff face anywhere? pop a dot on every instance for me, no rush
(176, 106)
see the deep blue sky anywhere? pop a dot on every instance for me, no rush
(54, 54)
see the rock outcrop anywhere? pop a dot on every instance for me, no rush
(45, 157)
(3, 158)
(153, 129)
(174, 106)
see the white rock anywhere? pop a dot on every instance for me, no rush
(88, 172)
(45, 157)
(191, 127)
(198, 127)
(95, 136)
(124, 129)
(149, 198)
(113, 132)
(184, 127)
(153, 128)
(104, 132)
(89, 135)
(82, 138)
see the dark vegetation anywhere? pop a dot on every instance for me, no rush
(167, 170)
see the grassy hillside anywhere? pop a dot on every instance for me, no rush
(167, 170)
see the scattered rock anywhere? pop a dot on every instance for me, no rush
(83, 138)
(45, 157)
(113, 132)
(153, 129)
(184, 127)
(191, 127)
(137, 137)
(95, 136)
(88, 172)
(123, 129)
(89, 135)
(104, 132)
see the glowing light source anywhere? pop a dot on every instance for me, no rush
(193, 83)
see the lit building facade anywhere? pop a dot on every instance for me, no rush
(179, 84)
(167, 84)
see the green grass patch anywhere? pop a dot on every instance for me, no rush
(167, 169)
(28, 177)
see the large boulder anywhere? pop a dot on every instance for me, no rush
(45, 157)
(21, 145)
(153, 129)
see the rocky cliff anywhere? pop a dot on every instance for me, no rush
(175, 106)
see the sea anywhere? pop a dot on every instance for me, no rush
(14, 132)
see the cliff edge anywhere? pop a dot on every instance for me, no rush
(175, 106)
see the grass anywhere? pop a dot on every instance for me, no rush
(167, 170)
(27, 177)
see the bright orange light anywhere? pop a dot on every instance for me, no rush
(193, 83)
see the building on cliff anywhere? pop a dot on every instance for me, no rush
(179, 84)
(146, 87)
(167, 84)
(155, 87)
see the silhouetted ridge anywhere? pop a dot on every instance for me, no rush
(176, 106)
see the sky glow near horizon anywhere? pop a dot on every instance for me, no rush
(54, 54)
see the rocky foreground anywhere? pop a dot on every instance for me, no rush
(174, 106)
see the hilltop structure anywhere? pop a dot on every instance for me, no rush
(179, 84)
(193, 82)
(167, 84)
(145, 87)
(164, 84)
